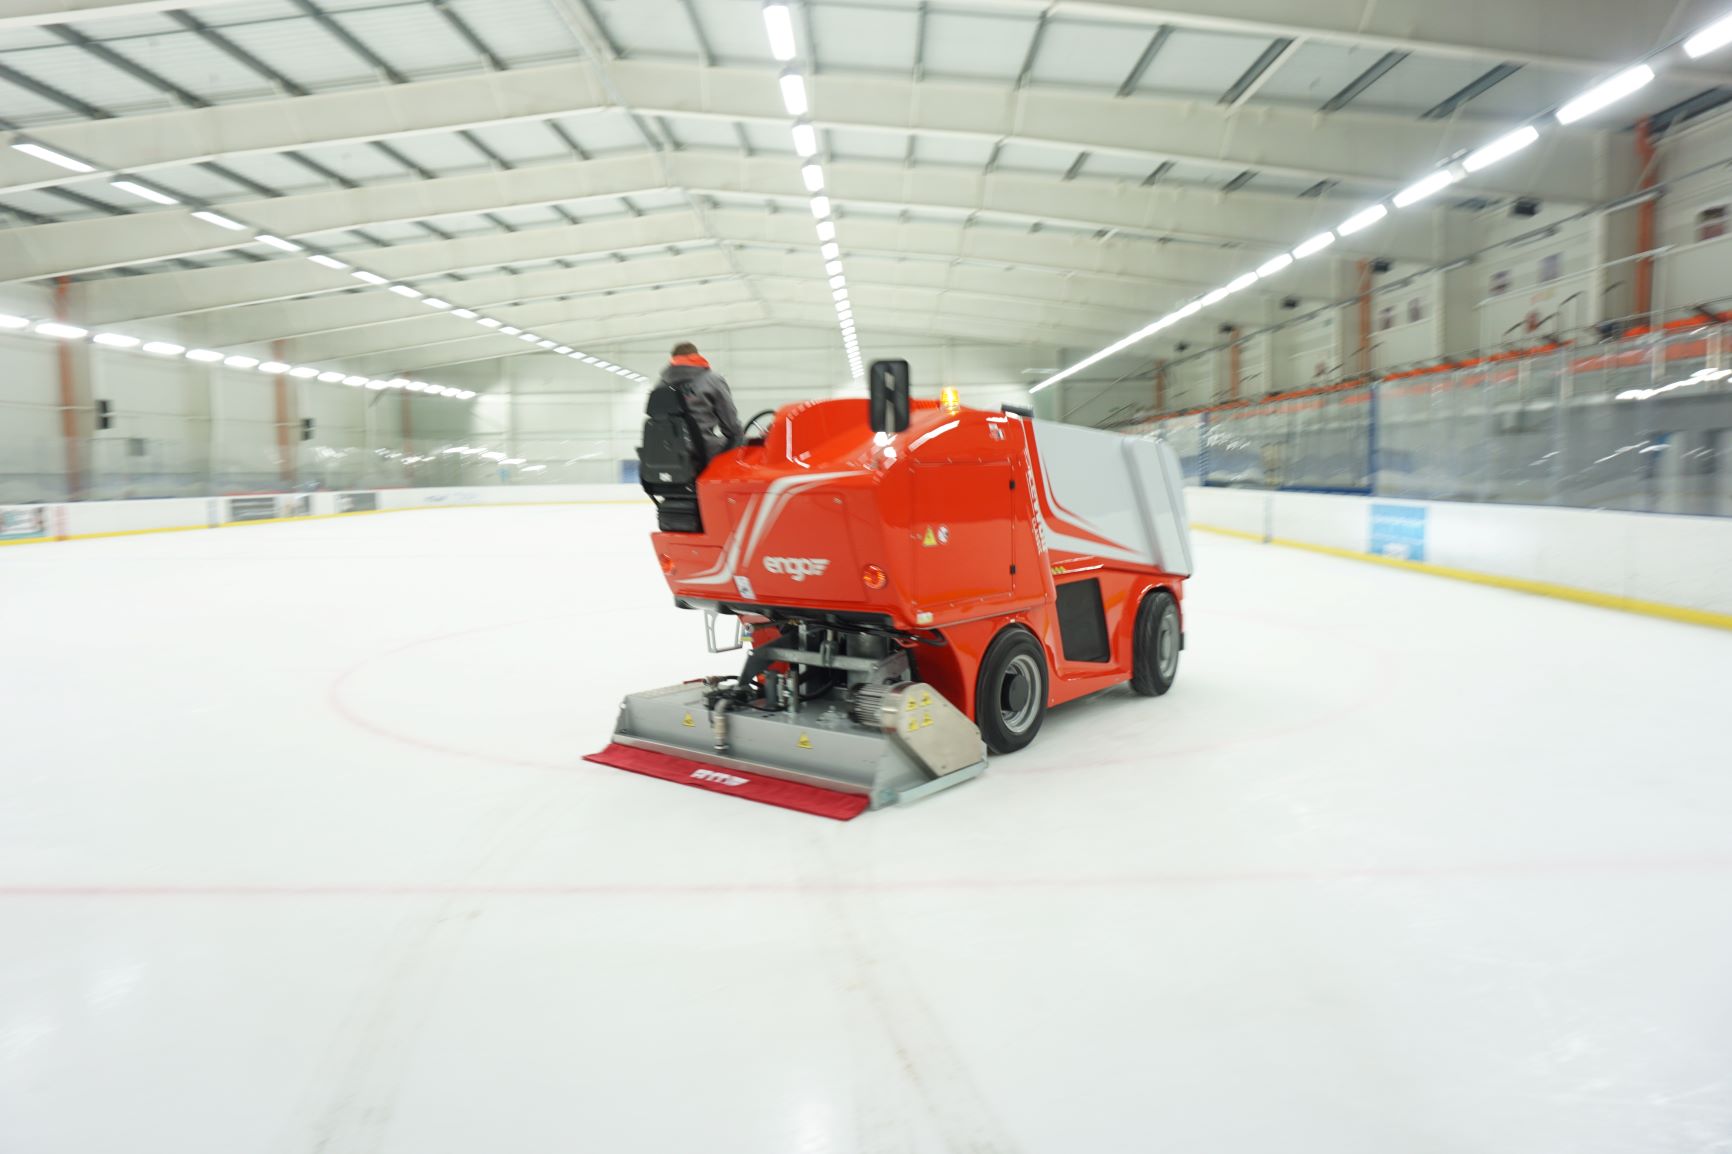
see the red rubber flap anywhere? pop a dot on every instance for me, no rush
(796, 795)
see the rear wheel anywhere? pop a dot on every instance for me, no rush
(1156, 643)
(1010, 698)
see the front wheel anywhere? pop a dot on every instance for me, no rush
(1010, 699)
(1155, 647)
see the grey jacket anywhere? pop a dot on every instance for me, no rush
(710, 404)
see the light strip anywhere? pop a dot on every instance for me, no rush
(1625, 83)
(62, 332)
(1275, 265)
(219, 220)
(794, 93)
(1314, 246)
(1502, 148)
(328, 261)
(277, 242)
(143, 192)
(1711, 39)
(779, 25)
(42, 152)
(1360, 221)
(1422, 189)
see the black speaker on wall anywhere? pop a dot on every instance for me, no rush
(104, 415)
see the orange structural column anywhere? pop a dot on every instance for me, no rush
(68, 396)
(1363, 355)
(1646, 212)
(1160, 386)
(1235, 358)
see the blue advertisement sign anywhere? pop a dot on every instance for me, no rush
(1398, 531)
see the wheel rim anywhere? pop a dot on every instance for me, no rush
(1167, 643)
(1019, 697)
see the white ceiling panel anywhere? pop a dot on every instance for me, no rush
(1421, 82)
(414, 39)
(278, 171)
(871, 40)
(522, 142)
(981, 47)
(735, 30)
(442, 152)
(302, 51)
(772, 138)
(357, 162)
(702, 132)
(968, 152)
(1087, 55)
(189, 62)
(648, 27)
(1317, 71)
(852, 144)
(79, 74)
(1196, 63)
(1019, 157)
(518, 31)
(604, 132)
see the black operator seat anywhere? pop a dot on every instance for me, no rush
(669, 461)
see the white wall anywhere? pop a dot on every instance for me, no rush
(1685, 562)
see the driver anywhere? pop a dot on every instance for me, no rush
(706, 398)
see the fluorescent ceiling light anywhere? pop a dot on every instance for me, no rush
(833, 268)
(404, 290)
(1360, 221)
(588, 360)
(1314, 246)
(1190, 310)
(277, 242)
(1241, 283)
(826, 230)
(41, 152)
(779, 24)
(435, 303)
(830, 250)
(330, 376)
(204, 356)
(417, 386)
(303, 372)
(840, 294)
(805, 139)
(529, 338)
(1501, 148)
(116, 340)
(62, 332)
(1275, 265)
(355, 381)
(376, 386)
(8, 321)
(794, 93)
(1213, 297)
(1711, 39)
(1426, 187)
(240, 361)
(273, 367)
(1625, 83)
(328, 261)
(821, 207)
(397, 383)
(163, 348)
(838, 281)
(562, 350)
(508, 330)
(546, 344)
(369, 277)
(219, 220)
(813, 175)
(144, 192)
(488, 323)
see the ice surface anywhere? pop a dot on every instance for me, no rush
(297, 853)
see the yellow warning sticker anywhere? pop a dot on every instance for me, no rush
(688, 722)
(931, 537)
(805, 742)
(913, 724)
(926, 699)
(909, 703)
(925, 720)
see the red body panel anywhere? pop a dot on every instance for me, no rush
(952, 510)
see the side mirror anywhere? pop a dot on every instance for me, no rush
(887, 396)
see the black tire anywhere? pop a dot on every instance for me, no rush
(1010, 698)
(1155, 645)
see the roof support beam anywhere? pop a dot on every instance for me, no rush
(1150, 51)
(1262, 68)
(1353, 144)
(34, 13)
(1262, 221)
(1364, 80)
(1480, 85)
